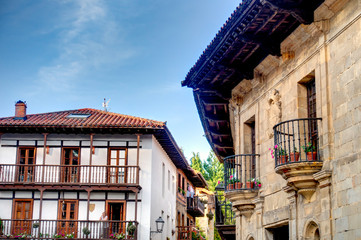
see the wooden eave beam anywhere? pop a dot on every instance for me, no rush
(298, 9)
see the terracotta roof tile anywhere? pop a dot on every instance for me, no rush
(97, 119)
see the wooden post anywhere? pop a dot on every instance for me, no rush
(90, 156)
(44, 157)
(87, 211)
(40, 207)
(138, 146)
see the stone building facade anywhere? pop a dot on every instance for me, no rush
(302, 95)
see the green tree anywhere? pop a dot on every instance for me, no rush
(213, 171)
(196, 163)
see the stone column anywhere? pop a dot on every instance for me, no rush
(258, 210)
(324, 179)
(293, 212)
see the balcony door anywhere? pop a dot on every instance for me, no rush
(70, 165)
(67, 216)
(117, 161)
(311, 112)
(22, 214)
(26, 162)
(116, 213)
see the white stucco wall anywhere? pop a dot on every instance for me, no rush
(152, 203)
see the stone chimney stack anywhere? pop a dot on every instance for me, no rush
(20, 110)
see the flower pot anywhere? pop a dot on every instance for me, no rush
(282, 159)
(311, 156)
(238, 185)
(294, 156)
(230, 186)
(250, 184)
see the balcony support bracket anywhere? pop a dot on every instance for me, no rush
(243, 201)
(300, 176)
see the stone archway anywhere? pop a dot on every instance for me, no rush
(312, 231)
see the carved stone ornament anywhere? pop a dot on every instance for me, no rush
(274, 111)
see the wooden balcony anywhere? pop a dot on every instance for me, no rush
(75, 177)
(65, 229)
(297, 153)
(189, 233)
(195, 207)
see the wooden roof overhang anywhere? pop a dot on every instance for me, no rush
(254, 30)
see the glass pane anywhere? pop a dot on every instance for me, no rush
(31, 153)
(22, 153)
(113, 153)
(122, 153)
(22, 161)
(121, 162)
(31, 161)
(66, 153)
(113, 162)
(75, 153)
(72, 207)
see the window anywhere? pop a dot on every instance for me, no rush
(26, 161)
(70, 165)
(173, 185)
(117, 160)
(163, 179)
(168, 180)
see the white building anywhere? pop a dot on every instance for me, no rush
(60, 171)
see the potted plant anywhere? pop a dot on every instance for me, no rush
(249, 183)
(257, 182)
(1, 227)
(294, 155)
(210, 216)
(230, 183)
(237, 184)
(131, 229)
(310, 150)
(86, 231)
(282, 155)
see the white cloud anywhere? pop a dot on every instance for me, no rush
(89, 38)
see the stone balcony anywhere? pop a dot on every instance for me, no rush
(239, 180)
(297, 155)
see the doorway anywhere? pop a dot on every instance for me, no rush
(68, 216)
(278, 233)
(26, 161)
(116, 216)
(117, 161)
(70, 165)
(23, 211)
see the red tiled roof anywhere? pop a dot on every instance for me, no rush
(97, 119)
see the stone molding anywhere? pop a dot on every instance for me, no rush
(244, 201)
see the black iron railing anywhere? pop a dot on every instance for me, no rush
(66, 229)
(296, 140)
(223, 211)
(240, 172)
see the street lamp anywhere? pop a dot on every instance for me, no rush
(160, 224)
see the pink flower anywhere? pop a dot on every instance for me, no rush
(259, 185)
(230, 177)
(269, 149)
(219, 182)
(276, 146)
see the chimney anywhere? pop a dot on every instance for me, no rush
(20, 110)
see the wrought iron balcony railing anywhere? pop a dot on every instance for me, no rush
(240, 172)
(223, 211)
(65, 229)
(296, 140)
(68, 175)
(195, 207)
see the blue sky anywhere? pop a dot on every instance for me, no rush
(62, 55)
